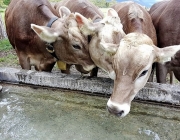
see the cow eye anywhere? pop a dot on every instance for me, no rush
(76, 47)
(143, 73)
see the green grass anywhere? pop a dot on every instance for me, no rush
(9, 58)
(2, 12)
(5, 45)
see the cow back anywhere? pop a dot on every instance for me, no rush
(18, 22)
(84, 7)
(167, 23)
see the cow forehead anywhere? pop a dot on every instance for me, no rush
(108, 33)
(76, 36)
(132, 59)
(71, 30)
(112, 29)
(135, 12)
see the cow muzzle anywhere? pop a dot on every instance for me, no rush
(120, 110)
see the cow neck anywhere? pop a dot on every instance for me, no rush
(50, 47)
(94, 21)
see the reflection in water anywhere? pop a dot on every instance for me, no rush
(41, 114)
(149, 133)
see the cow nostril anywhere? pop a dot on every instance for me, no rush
(114, 111)
(120, 113)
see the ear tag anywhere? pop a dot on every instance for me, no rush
(61, 65)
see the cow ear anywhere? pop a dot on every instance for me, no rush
(164, 54)
(109, 47)
(64, 11)
(86, 26)
(81, 20)
(45, 33)
(111, 12)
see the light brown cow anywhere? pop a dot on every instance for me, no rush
(132, 63)
(129, 63)
(88, 10)
(166, 19)
(62, 35)
(110, 34)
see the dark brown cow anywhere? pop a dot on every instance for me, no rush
(166, 19)
(88, 10)
(136, 18)
(62, 34)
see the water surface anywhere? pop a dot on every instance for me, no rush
(44, 114)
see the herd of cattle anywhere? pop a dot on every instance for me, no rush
(127, 43)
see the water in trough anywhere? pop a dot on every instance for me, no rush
(48, 114)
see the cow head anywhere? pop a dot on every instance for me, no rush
(108, 31)
(69, 44)
(132, 63)
(136, 18)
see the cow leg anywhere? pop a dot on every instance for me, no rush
(94, 72)
(24, 61)
(177, 73)
(171, 77)
(161, 73)
(67, 71)
(152, 73)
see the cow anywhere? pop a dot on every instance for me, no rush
(136, 18)
(128, 62)
(167, 25)
(88, 10)
(84, 7)
(110, 34)
(40, 37)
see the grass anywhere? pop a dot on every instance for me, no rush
(8, 56)
(5, 45)
(2, 12)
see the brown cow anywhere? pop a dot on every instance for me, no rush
(136, 18)
(88, 10)
(84, 7)
(166, 19)
(128, 63)
(62, 35)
